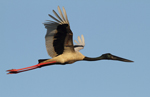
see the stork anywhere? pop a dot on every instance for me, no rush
(59, 45)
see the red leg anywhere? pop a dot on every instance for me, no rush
(14, 71)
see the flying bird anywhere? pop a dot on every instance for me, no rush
(59, 45)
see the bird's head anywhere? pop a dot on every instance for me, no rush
(109, 56)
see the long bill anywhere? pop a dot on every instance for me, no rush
(15, 71)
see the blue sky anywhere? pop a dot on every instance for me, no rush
(109, 26)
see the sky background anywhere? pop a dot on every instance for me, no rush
(120, 27)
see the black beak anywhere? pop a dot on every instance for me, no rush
(113, 57)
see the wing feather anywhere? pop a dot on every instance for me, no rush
(51, 31)
(59, 10)
(57, 16)
(80, 45)
(65, 14)
(83, 41)
(79, 39)
(59, 35)
(54, 18)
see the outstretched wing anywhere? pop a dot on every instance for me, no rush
(80, 45)
(59, 35)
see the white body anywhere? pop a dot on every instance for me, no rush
(68, 57)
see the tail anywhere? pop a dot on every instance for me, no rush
(41, 60)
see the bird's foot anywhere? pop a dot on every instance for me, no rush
(12, 71)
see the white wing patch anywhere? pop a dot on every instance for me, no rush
(51, 30)
(80, 45)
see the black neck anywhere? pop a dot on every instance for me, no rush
(92, 59)
(107, 56)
